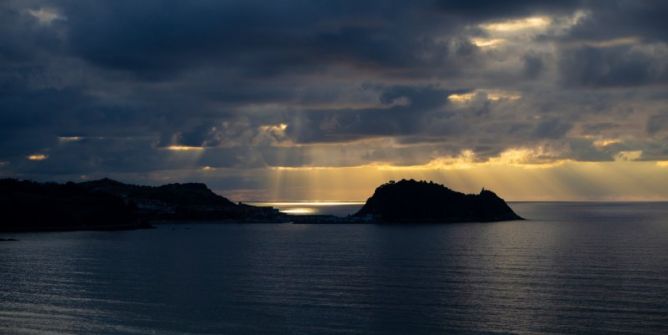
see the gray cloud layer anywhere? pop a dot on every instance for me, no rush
(101, 88)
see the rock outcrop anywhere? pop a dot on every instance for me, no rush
(410, 201)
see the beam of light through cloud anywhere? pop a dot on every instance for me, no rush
(527, 158)
(567, 181)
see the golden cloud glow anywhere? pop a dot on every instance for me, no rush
(527, 158)
(461, 98)
(498, 95)
(37, 157)
(567, 180)
(183, 148)
(487, 42)
(275, 129)
(518, 24)
(520, 157)
(491, 95)
(604, 142)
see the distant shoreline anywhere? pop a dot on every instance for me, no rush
(27, 206)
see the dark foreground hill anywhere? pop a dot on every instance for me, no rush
(30, 206)
(189, 201)
(411, 201)
(108, 204)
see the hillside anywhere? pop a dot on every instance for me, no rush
(109, 204)
(411, 201)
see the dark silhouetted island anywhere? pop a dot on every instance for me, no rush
(410, 201)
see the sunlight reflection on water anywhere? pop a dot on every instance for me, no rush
(340, 208)
(300, 210)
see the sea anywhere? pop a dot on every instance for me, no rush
(570, 268)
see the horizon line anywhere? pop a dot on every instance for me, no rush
(355, 202)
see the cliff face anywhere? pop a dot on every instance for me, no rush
(417, 202)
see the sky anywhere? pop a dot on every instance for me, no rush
(325, 100)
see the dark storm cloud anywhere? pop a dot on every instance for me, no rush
(255, 38)
(161, 38)
(657, 123)
(644, 19)
(552, 129)
(584, 150)
(618, 43)
(533, 66)
(260, 83)
(613, 66)
(407, 109)
(489, 9)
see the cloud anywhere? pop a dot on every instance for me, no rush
(37, 157)
(614, 66)
(657, 123)
(141, 88)
(609, 20)
(46, 16)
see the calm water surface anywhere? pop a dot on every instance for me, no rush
(573, 268)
